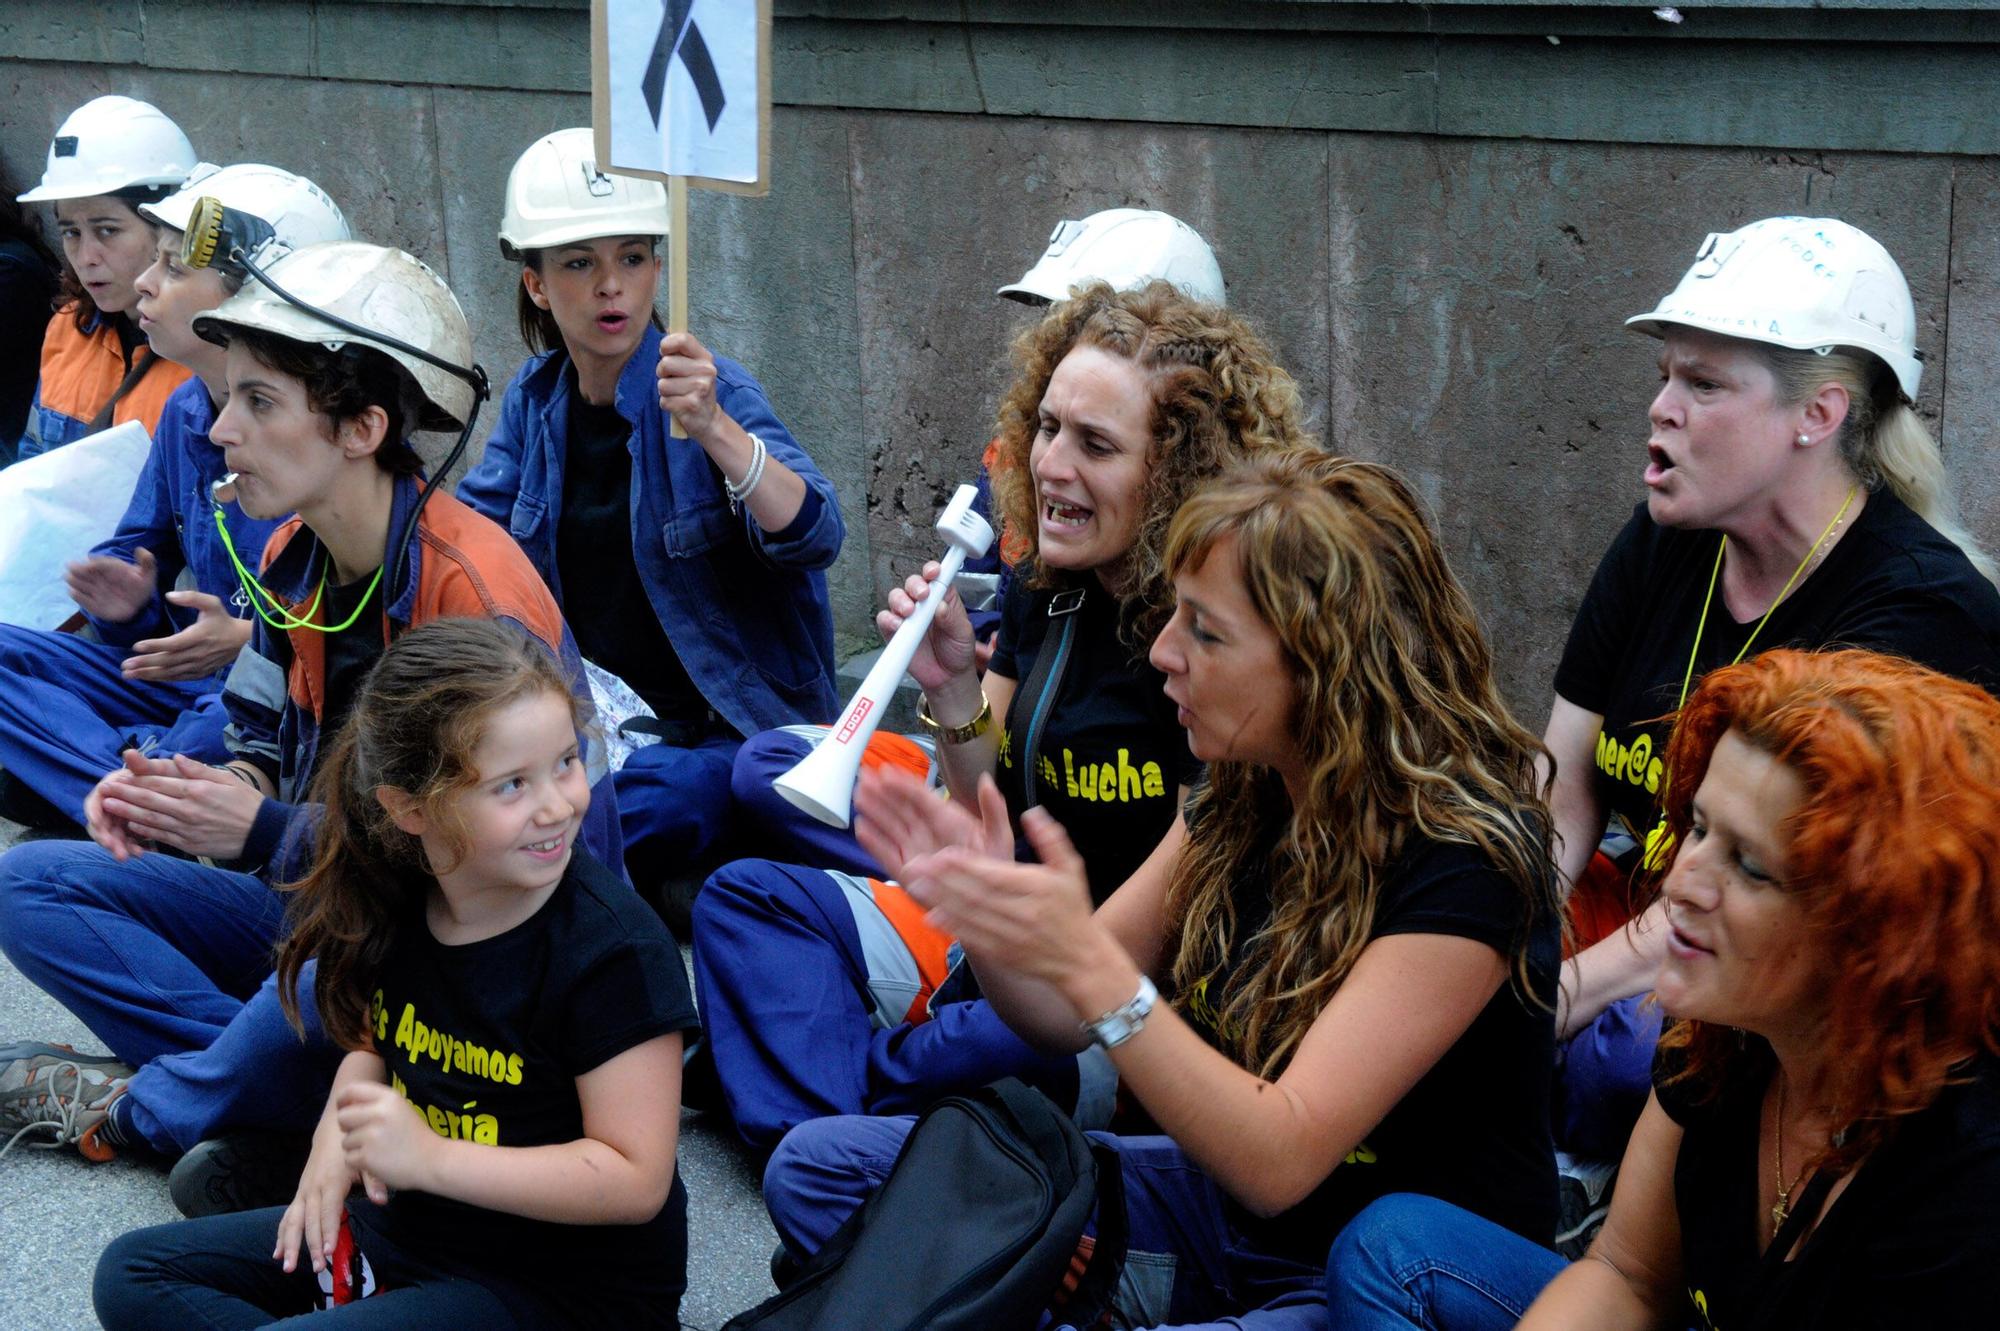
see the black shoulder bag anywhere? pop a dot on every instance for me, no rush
(973, 1230)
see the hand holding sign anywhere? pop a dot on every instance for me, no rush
(681, 90)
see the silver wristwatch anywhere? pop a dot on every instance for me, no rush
(1123, 1022)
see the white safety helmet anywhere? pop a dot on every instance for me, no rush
(1808, 283)
(113, 143)
(298, 212)
(1127, 247)
(376, 287)
(556, 195)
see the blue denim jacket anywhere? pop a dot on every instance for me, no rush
(172, 516)
(747, 613)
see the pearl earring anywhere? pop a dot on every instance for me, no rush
(1804, 438)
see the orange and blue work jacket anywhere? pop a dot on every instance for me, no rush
(455, 563)
(81, 369)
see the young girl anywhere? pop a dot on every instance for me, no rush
(168, 959)
(513, 1012)
(111, 155)
(690, 568)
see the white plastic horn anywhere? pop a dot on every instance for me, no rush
(822, 783)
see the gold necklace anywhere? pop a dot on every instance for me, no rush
(1782, 1208)
(1829, 540)
(1716, 573)
(1657, 841)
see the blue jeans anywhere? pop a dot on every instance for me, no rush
(67, 712)
(169, 963)
(1187, 1267)
(218, 1273)
(1416, 1262)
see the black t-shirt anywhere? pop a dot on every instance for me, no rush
(351, 652)
(604, 600)
(1112, 754)
(1474, 1130)
(1892, 584)
(487, 1040)
(1913, 1241)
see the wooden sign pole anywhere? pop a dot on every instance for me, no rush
(677, 263)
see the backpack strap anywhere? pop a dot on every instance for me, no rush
(1093, 1304)
(1044, 682)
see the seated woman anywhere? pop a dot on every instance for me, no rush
(1357, 933)
(449, 896)
(817, 986)
(111, 155)
(151, 676)
(1821, 1147)
(1793, 499)
(689, 568)
(1124, 248)
(167, 959)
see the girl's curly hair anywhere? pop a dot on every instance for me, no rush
(1219, 395)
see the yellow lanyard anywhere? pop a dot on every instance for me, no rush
(1656, 843)
(284, 620)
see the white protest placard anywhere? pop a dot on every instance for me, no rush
(683, 88)
(53, 508)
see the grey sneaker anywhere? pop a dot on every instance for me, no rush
(239, 1171)
(52, 1091)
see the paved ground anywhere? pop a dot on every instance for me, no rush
(57, 1211)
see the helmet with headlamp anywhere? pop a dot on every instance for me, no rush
(293, 211)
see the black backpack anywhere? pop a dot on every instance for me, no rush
(973, 1230)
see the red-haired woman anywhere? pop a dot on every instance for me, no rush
(1822, 1145)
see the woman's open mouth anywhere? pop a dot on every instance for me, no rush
(1658, 464)
(1058, 514)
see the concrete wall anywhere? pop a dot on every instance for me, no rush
(1440, 215)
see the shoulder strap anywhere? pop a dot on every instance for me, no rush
(1044, 682)
(140, 364)
(1094, 1302)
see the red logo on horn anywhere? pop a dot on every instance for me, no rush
(862, 706)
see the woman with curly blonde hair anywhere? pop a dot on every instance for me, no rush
(1821, 1148)
(1337, 980)
(1123, 403)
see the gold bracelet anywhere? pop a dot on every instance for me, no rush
(964, 734)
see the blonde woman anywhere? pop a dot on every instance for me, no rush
(1794, 498)
(1335, 981)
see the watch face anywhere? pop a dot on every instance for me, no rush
(1121, 1024)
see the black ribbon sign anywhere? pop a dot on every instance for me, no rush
(680, 37)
